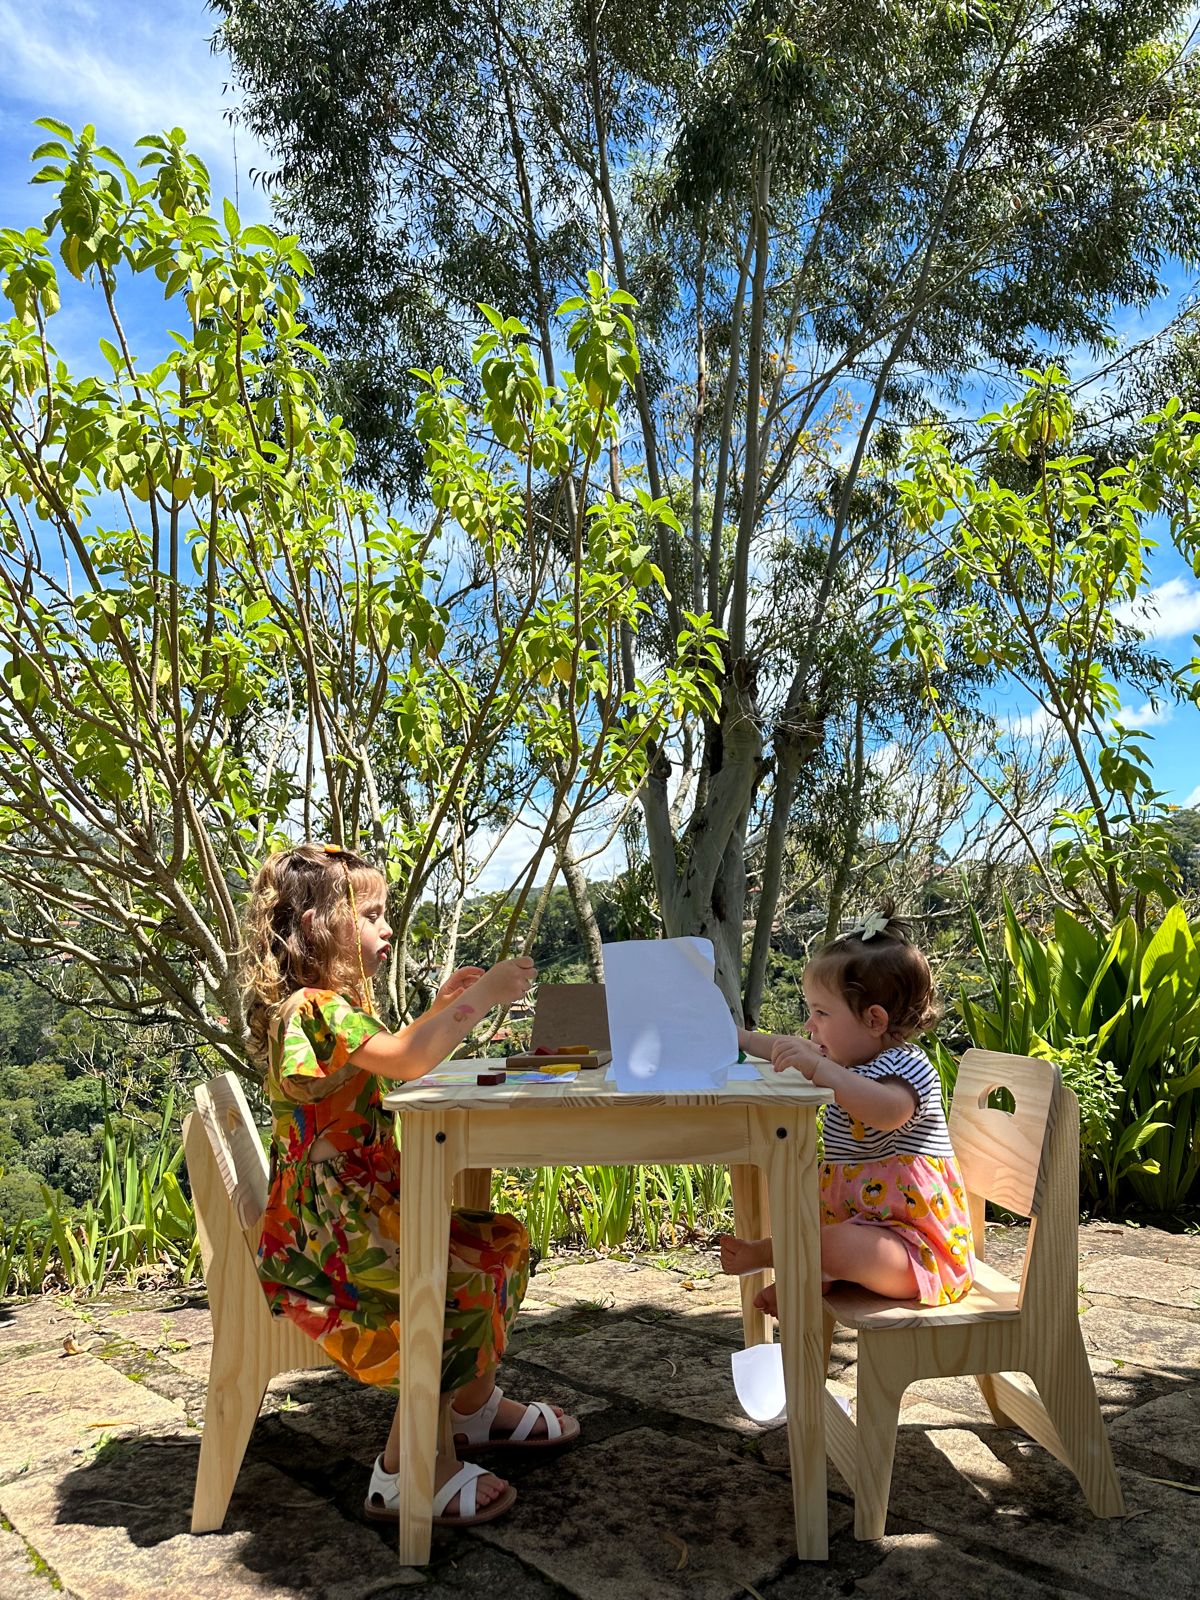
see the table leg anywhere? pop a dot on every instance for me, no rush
(431, 1142)
(473, 1189)
(787, 1139)
(751, 1220)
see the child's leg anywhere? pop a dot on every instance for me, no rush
(875, 1257)
(740, 1256)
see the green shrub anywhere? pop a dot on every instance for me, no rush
(137, 1219)
(1119, 1014)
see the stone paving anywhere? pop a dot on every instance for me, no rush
(671, 1492)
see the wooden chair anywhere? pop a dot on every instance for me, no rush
(228, 1173)
(1028, 1162)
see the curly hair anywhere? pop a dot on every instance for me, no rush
(280, 954)
(885, 968)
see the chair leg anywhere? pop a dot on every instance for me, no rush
(1068, 1392)
(751, 1220)
(877, 1414)
(828, 1330)
(987, 1389)
(235, 1394)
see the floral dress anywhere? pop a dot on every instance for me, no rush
(906, 1179)
(328, 1258)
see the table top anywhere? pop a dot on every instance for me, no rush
(596, 1088)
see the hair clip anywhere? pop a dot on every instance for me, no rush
(335, 850)
(867, 929)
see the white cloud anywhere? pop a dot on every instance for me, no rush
(519, 846)
(1028, 724)
(130, 70)
(1145, 716)
(1193, 799)
(1169, 611)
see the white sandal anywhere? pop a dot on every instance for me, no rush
(475, 1429)
(383, 1498)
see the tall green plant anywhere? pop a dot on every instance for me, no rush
(139, 1220)
(1042, 555)
(1119, 1013)
(603, 1207)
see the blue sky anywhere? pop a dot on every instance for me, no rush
(140, 67)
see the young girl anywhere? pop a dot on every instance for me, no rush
(893, 1210)
(316, 936)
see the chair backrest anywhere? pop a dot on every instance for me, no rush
(1003, 1155)
(236, 1147)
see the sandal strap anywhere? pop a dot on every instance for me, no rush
(463, 1485)
(534, 1410)
(476, 1426)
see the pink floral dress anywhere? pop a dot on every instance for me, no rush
(906, 1180)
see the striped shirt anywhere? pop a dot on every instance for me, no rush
(924, 1134)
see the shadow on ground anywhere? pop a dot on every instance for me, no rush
(671, 1491)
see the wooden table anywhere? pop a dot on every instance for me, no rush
(764, 1131)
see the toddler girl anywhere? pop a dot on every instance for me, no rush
(893, 1210)
(316, 936)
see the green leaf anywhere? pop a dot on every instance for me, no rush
(59, 129)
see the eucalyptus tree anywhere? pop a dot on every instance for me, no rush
(211, 641)
(833, 217)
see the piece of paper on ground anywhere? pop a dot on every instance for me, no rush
(758, 1382)
(669, 1025)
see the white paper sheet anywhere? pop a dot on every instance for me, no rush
(669, 1025)
(758, 1382)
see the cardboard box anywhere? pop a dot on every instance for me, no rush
(568, 1014)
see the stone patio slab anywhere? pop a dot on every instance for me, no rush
(52, 1404)
(1130, 1239)
(1161, 1283)
(668, 1469)
(117, 1529)
(1169, 1426)
(646, 1514)
(44, 1321)
(1159, 1343)
(21, 1577)
(928, 1564)
(995, 1486)
(655, 1366)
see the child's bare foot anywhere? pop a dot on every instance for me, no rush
(767, 1300)
(487, 1488)
(742, 1256)
(486, 1495)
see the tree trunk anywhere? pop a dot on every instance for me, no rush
(702, 885)
(841, 877)
(585, 917)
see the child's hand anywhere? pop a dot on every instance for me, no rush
(511, 980)
(456, 984)
(798, 1053)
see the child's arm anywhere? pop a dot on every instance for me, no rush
(758, 1044)
(457, 983)
(883, 1103)
(419, 1048)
